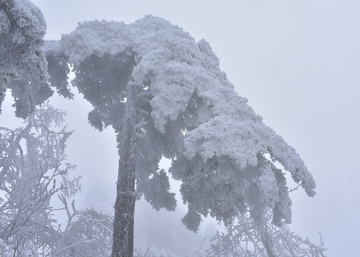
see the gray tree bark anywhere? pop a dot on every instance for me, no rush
(123, 234)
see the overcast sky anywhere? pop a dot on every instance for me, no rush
(298, 64)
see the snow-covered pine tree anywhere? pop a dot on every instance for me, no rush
(164, 95)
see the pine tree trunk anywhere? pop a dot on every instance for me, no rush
(123, 234)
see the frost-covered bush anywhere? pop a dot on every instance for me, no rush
(87, 234)
(245, 238)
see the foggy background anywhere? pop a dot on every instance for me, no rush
(298, 64)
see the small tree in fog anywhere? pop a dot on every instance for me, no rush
(165, 96)
(32, 171)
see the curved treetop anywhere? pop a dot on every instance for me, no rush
(185, 109)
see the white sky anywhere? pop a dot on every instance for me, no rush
(298, 64)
